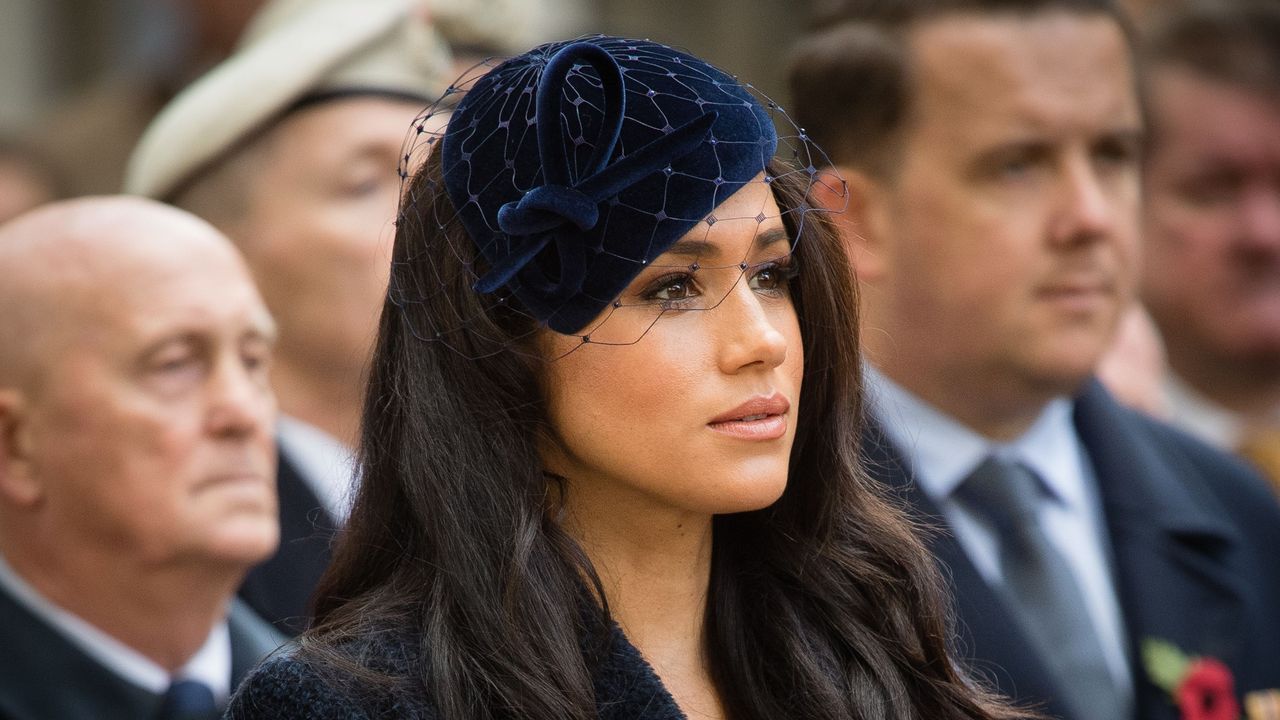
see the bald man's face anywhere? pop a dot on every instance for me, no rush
(148, 427)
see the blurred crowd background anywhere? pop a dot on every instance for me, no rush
(83, 77)
(80, 81)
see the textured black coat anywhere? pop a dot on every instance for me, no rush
(286, 688)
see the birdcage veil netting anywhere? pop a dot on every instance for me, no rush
(547, 191)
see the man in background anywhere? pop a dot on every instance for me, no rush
(1212, 218)
(991, 150)
(136, 463)
(290, 147)
(26, 179)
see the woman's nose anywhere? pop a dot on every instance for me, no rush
(750, 333)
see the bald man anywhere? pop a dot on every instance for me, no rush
(136, 463)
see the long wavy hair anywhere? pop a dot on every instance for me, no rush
(824, 605)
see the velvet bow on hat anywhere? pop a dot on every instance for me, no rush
(576, 164)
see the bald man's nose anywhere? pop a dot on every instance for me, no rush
(240, 402)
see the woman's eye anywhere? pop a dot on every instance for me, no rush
(768, 279)
(673, 288)
(772, 276)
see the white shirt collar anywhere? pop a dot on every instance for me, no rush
(1051, 448)
(210, 665)
(952, 451)
(325, 464)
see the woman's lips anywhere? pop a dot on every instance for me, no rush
(760, 418)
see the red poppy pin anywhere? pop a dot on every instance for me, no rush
(1201, 687)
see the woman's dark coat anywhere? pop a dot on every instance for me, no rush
(290, 688)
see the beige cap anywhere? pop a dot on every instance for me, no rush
(292, 49)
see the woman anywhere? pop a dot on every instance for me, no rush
(609, 459)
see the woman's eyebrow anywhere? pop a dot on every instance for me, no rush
(772, 236)
(705, 248)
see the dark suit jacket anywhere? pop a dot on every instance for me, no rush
(44, 676)
(280, 589)
(1196, 542)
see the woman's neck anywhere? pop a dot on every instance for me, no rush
(655, 565)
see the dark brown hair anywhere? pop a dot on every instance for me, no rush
(824, 605)
(1230, 41)
(850, 77)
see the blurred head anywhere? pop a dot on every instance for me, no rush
(1133, 368)
(310, 204)
(993, 196)
(290, 147)
(136, 415)
(1212, 218)
(26, 180)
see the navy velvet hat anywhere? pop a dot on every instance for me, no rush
(635, 144)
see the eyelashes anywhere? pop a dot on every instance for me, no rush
(681, 290)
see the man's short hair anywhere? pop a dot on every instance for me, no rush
(850, 76)
(1232, 41)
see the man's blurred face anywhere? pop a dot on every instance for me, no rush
(1212, 221)
(1010, 221)
(22, 187)
(151, 423)
(319, 227)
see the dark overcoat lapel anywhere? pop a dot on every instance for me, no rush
(280, 589)
(1177, 513)
(252, 640)
(43, 675)
(1181, 564)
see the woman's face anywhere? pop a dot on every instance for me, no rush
(699, 414)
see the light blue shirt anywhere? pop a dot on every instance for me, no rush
(942, 453)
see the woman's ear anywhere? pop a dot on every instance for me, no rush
(856, 202)
(18, 483)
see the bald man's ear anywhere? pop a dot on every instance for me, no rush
(18, 483)
(854, 199)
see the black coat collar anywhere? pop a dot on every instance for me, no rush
(626, 686)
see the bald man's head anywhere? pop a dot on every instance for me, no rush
(66, 264)
(135, 412)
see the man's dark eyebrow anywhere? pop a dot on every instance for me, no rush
(703, 248)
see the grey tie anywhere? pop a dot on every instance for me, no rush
(1042, 588)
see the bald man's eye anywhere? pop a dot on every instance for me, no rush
(256, 357)
(176, 368)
